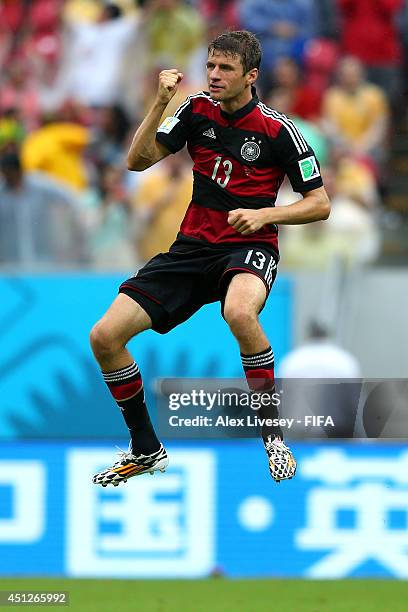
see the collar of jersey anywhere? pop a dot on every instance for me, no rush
(244, 110)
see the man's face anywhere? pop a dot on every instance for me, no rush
(225, 76)
(350, 73)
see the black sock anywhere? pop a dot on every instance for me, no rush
(126, 387)
(260, 375)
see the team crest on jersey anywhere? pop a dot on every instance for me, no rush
(251, 150)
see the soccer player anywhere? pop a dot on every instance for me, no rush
(227, 247)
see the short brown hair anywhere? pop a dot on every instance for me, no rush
(240, 43)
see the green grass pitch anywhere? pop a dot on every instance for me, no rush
(220, 595)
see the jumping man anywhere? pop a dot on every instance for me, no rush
(227, 247)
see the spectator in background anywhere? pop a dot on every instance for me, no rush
(41, 43)
(19, 90)
(11, 22)
(282, 26)
(352, 231)
(369, 32)
(162, 198)
(172, 32)
(302, 100)
(77, 11)
(355, 114)
(109, 138)
(12, 131)
(6, 42)
(113, 227)
(320, 62)
(195, 74)
(39, 224)
(12, 15)
(223, 11)
(57, 149)
(319, 357)
(327, 19)
(281, 99)
(350, 234)
(95, 51)
(317, 360)
(32, 59)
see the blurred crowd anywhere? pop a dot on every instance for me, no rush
(77, 76)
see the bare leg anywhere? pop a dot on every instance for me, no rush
(245, 296)
(124, 319)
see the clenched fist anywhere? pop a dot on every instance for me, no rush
(245, 220)
(168, 84)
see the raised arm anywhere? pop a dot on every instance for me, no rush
(145, 150)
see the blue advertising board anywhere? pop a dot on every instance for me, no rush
(216, 509)
(51, 387)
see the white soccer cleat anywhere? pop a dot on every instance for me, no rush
(129, 465)
(282, 464)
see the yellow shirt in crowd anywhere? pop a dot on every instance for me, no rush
(167, 215)
(56, 149)
(355, 113)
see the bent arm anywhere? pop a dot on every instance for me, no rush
(145, 151)
(314, 206)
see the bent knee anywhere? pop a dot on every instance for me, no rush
(103, 340)
(239, 316)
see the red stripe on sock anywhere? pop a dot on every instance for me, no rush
(122, 392)
(259, 379)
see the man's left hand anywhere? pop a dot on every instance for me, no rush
(245, 221)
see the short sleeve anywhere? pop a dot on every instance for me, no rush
(297, 158)
(173, 131)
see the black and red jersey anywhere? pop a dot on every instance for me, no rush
(240, 161)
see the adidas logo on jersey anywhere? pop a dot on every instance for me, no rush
(210, 133)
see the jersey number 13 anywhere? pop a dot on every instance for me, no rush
(222, 180)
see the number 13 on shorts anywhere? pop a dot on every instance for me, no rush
(258, 261)
(262, 261)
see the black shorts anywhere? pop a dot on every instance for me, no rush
(172, 286)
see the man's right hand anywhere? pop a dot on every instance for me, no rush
(168, 84)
